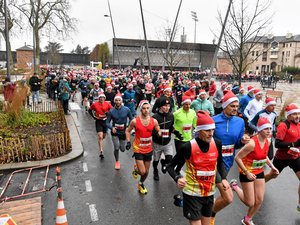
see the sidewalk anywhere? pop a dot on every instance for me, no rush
(77, 149)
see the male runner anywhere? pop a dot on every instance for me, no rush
(118, 115)
(143, 124)
(98, 111)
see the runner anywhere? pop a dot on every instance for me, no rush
(118, 115)
(230, 131)
(288, 144)
(251, 160)
(162, 144)
(167, 92)
(202, 103)
(143, 124)
(98, 111)
(218, 97)
(203, 157)
(129, 99)
(255, 105)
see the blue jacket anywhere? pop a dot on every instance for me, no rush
(119, 119)
(244, 102)
(230, 132)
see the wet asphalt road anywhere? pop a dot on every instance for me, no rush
(95, 193)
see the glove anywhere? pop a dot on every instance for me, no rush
(128, 145)
(297, 143)
(178, 135)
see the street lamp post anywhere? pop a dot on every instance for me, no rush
(7, 42)
(113, 28)
(145, 35)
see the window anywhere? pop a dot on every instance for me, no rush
(283, 45)
(274, 44)
(252, 53)
(264, 56)
(257, 53)
(266, 45)
(291, 45)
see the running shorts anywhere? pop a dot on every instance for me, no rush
(144, 157)
(243, 178)
(101, 126)
(280, 164)
(195, 207)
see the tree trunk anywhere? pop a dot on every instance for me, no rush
(11, 61)
(37, 51)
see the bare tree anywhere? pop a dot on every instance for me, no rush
(40, 13)
(10, 21)
(247, 24)
(171, 57)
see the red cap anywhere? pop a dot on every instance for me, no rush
(228, 98)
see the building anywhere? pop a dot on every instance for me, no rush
(273, 53)
(132, 52)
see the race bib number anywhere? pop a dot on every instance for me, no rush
(145, 142)
(165, 133)
(227, 150)
(119, 127)
(206, 175)
(294, 151)
(179, 92)
(187, 127)
(258, 164)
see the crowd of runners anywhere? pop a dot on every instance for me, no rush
(211, 127)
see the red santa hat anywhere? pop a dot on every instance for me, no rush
(250, 88)
(202, 92)
(108, 86)
(204, 121)
(130, 85)
(167, 88)
(228, 98)
(292, 108)
(143, 102)
(193, 86)
(118, 96)
(223, 83)
(241, 88)
(270, 101)
(257, 92)
(185, 99)
(97, 84)
(101, 94)
(263, 123)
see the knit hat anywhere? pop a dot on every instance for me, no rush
(143, 102)
(204, 121)
(185, 99)
(250, 88)
(118, 96)
(228, 98)
(257, 92)
(163, 101)
(292, 108)
(263, 123)
(202, 91)
(270, 101)
(101, 94)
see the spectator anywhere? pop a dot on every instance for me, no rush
(35, 85)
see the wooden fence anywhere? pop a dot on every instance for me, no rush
(45, 106)
(37, 147)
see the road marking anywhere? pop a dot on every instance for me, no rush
(88, 186)
(93, 212)
(85, 168)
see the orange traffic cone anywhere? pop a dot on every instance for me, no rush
(61, 216)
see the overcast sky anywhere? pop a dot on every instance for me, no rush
(94, 28)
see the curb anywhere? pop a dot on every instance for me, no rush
(77, 149)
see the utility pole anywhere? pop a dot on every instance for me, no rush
(7, 42)
(213, 63)
(147, 47)
(113, 28)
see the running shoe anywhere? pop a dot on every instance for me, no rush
(134, 173)
(298, 208)
(142, 189)
(233, 184)
(212, 221)
(101, 155)
(178, 201)
(155, 175)
(250, 222)
(163, 166)
(117, 165)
